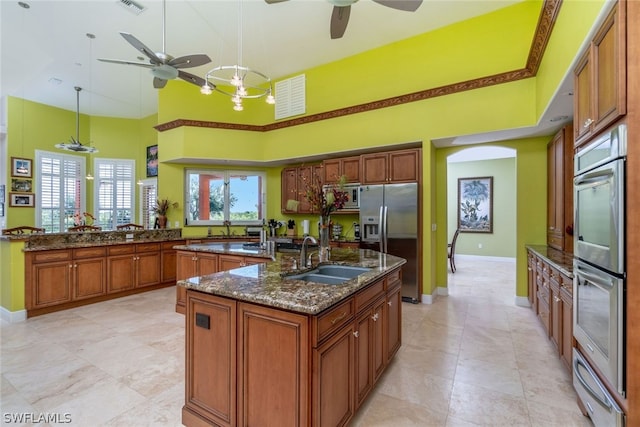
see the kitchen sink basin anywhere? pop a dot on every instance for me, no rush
(330, 274)
(347, 271)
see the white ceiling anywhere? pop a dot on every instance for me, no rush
(48, 41)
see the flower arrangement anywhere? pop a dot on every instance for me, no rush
(84, 218)
(327, 201)
(162, 206)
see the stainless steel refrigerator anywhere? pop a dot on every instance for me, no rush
(389, 224)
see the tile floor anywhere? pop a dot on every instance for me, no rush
(472, 358)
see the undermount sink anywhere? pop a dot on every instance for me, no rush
(330, 274)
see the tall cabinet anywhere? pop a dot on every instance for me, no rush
(560, 190)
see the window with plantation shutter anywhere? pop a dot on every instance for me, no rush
(114, 192)
(148, 196)
(60, 189)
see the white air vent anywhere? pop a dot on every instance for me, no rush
(290, 97)
(132, 6)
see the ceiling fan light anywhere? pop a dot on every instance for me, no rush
(236, 99)
(242, 91)
(164, 72)
(236, 80)
(238, 107)
(270, 99)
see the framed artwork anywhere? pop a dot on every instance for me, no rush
(152, 161)
(21, 200)
(21, 185)
(475, 204)
(20, 168)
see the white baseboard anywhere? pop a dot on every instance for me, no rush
(522, 301)
(486, 258)
(429, 299)
(13, 316)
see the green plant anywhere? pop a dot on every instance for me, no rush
(162, 206)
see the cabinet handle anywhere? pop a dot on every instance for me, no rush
(375, 317)
(75, 265)
(587, 123)
(556, 299)
(70, 265)
(339, 318)
(355, 334)
(389, 303)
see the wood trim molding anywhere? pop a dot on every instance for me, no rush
(541, 37)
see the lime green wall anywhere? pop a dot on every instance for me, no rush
(501, 242)
(12, 275)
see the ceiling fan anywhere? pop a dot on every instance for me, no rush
(342, 10)
(163, 66)
(74, 144)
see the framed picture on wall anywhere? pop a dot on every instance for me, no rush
(21, 185)
(475, 204)
(21, 200)
(152, 161)
(20, 168)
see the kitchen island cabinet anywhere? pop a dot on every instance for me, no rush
(319, 342)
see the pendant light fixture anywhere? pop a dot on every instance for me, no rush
(74, 144)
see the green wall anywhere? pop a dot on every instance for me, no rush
(501, 242)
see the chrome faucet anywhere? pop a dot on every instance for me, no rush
(303, 250)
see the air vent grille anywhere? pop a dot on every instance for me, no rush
(290, 97)
(132, 6)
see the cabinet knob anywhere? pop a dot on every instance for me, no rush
(389, 303)
(375, 317)
(556, 299)
(75, 265)
(70, 265)
(355, 334)
(587, 123)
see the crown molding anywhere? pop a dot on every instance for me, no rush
(546, 21)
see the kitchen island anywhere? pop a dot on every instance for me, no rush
(263, 348)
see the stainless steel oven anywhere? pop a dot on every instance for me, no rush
(599, 201)
(598, 319)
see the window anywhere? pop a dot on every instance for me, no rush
(213, 196)
(61, 188)
(148, 196)
(114, 193)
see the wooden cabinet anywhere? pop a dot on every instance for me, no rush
(600, 78)
(294, 181)
(554, 304)
(49, 275)
(89, 272)
(333, 169)
(341, 244)
(169, 261)
(133, 266)
(389, 167)
(531, 280)
(560, 191)
(210, 379)
(148, 263)
(248, 364)
(192, 264)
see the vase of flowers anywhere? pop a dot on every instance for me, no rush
(160, 209)
(325, 201)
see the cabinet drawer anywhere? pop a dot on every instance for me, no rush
(169, 245)
(121, 250)
(368, 294)
(89, 253)
(332, 320)
(566, 284)
(147, 247)
(393, 279)
(49, 256)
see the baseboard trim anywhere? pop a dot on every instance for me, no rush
(486, 258)
(13, 316)
(522, 302)
(430, 299)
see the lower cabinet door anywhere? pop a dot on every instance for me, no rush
(364, 362)
(148, 269)
(120, 273)
(393, 319)
(211, 359)
(90, 278)
(273, 356)
(51, 283)
(333, 379)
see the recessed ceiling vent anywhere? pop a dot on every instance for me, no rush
(132, 6)
(290, 97)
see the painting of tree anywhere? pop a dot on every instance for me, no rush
(475, 204)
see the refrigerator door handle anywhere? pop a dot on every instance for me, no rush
(382, 229)
(386, 233)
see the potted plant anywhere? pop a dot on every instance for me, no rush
(161, 208)
(291, 228)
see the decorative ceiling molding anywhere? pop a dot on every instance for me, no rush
(546, 21)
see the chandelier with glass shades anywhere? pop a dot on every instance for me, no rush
(236, 81)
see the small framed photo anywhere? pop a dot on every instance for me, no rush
(20, 168)
(22, 200)
(152, 161)
(21, 185)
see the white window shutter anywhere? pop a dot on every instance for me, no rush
(290, 97)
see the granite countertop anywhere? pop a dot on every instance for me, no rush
(563, 261)
(231, 248)
(268, 284)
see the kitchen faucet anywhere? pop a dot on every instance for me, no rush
(303, 250)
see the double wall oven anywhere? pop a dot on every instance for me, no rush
(599, 274)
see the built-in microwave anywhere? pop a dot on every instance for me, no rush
(599, 201)
(353, 191)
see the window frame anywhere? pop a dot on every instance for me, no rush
(227, 173)
(96, 192)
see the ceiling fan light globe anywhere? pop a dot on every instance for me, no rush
(236, 80)
(165, 72)
(342, 3)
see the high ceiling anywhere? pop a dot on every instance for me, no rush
(45, 50)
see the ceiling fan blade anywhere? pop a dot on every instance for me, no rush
(188, 77)
(119, 61)
(274, 1)
(406, 5)
(142, 48)
(159, 83)
(339, 20)
(189, 61)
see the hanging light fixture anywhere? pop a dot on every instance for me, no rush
(74, 144)
(236, 81)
